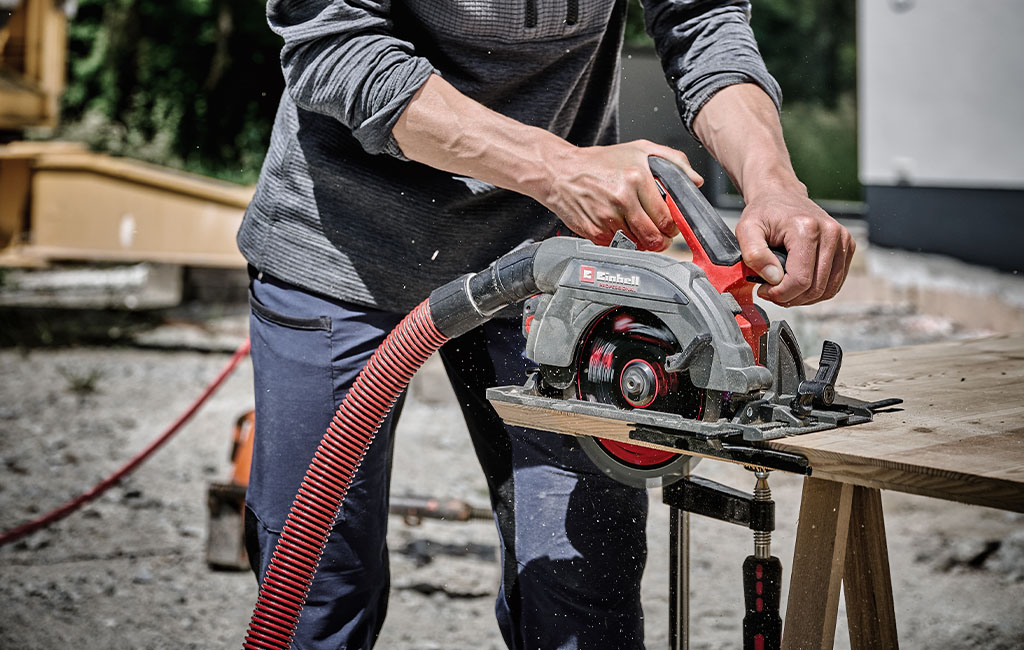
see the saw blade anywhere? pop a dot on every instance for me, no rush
(622, 363)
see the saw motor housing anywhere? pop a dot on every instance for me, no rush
(590, 280)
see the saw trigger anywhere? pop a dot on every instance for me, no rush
(620, 240)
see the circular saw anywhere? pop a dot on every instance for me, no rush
(652, 361)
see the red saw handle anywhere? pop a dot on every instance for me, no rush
(715, 248)
(702, 227)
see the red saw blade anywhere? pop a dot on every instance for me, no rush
(622, 362)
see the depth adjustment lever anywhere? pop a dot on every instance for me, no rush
(820, 391)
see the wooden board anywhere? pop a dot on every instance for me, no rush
(959, 435)
(33, 52)
(576, 424)
(88, 206)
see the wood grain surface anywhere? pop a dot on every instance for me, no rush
(959, 434)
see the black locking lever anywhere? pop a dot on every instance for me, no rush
(820, 391)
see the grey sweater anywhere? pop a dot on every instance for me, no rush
(339, 211)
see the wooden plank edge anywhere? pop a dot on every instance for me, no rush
(582, 425)
(990, 493)
(138, 172)
(40, 255)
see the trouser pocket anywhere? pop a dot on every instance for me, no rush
(294, 388)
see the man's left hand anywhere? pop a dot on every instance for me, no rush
(819, 249)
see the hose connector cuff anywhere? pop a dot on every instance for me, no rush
(471, 300)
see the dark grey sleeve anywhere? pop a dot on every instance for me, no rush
(704, 46)
(340, 58)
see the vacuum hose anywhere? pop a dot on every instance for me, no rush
(451, 310)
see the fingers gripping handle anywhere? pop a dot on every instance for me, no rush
(697, 216)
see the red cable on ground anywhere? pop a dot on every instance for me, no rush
(110, 481)
(348, 437)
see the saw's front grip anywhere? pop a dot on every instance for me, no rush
(705, 232)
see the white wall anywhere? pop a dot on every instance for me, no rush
(941, 93)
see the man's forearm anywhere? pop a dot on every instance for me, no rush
(740, 127)
(595, 190)
(444, 129)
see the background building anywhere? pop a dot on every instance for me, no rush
(941, 104)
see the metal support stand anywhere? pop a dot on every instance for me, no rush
(762, 573)
(679, 579)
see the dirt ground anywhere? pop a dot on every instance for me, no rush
(128, 571)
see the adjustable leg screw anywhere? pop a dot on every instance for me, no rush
(762, 580)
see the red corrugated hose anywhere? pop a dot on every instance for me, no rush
(330, 473)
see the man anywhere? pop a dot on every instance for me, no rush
(417, 141)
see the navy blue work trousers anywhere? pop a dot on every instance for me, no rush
(572, 540)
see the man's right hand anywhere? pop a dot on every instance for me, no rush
(596, 191)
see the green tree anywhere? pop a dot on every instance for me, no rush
(809, 46)
(190, 83)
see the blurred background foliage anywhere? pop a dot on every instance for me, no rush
(194, 83)
(810, 46)
(188, 83)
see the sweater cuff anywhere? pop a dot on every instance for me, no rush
(694, 100)
(375, 132)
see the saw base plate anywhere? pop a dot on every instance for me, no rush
(724, 439)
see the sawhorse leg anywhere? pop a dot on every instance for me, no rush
(840, 539)
(870, 612)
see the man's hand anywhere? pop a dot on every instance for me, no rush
(819, 249)
(740, 126)
(598, 190)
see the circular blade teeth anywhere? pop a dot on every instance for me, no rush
(640, 476)
(621, 362)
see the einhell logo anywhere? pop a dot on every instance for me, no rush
(591, 275)
(618, 279)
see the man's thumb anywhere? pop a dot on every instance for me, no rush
(758, 256)
(772, 271)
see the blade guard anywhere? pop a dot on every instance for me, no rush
(715, 248)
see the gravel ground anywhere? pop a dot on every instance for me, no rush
(128, 571)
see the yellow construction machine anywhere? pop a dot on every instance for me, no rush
(58, 201)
